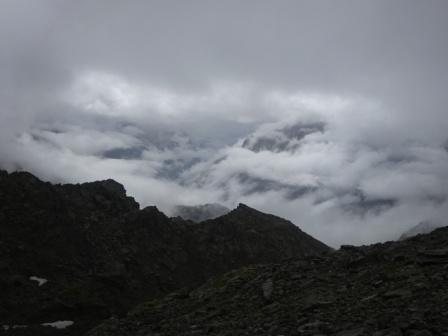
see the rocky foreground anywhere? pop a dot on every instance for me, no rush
(74, 255)
(391, 289)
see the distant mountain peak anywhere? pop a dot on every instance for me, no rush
(245, 211)
(243, 207)
(421, 228)
(282, 137)
(201, 212)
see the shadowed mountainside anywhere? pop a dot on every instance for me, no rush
(390, 289)
(97, 254)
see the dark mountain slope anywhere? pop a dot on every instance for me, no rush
(101, 255)
(391, 289)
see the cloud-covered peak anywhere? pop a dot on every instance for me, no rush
(277, 138)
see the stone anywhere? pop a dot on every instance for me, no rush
(267, 288)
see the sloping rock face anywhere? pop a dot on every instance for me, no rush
(83, 253)
(246, 234)
(396, 288)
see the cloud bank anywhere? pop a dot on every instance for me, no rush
(330, 114)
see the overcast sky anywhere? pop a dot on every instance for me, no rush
(329, 113)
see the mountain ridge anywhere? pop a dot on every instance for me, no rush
(100, 254)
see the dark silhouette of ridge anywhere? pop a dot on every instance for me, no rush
(100, 254)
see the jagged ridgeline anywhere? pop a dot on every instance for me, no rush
(74, 255)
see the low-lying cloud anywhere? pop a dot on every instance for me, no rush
(335, 121)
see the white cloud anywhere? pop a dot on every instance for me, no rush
(109, 94)
(356, 153)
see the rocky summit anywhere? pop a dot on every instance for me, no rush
(74, 255)
(390, 289)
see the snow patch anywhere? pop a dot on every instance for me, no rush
(40, 281)
(15, 326)
(58, 324)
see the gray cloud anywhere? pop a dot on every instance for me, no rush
(332, 114)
